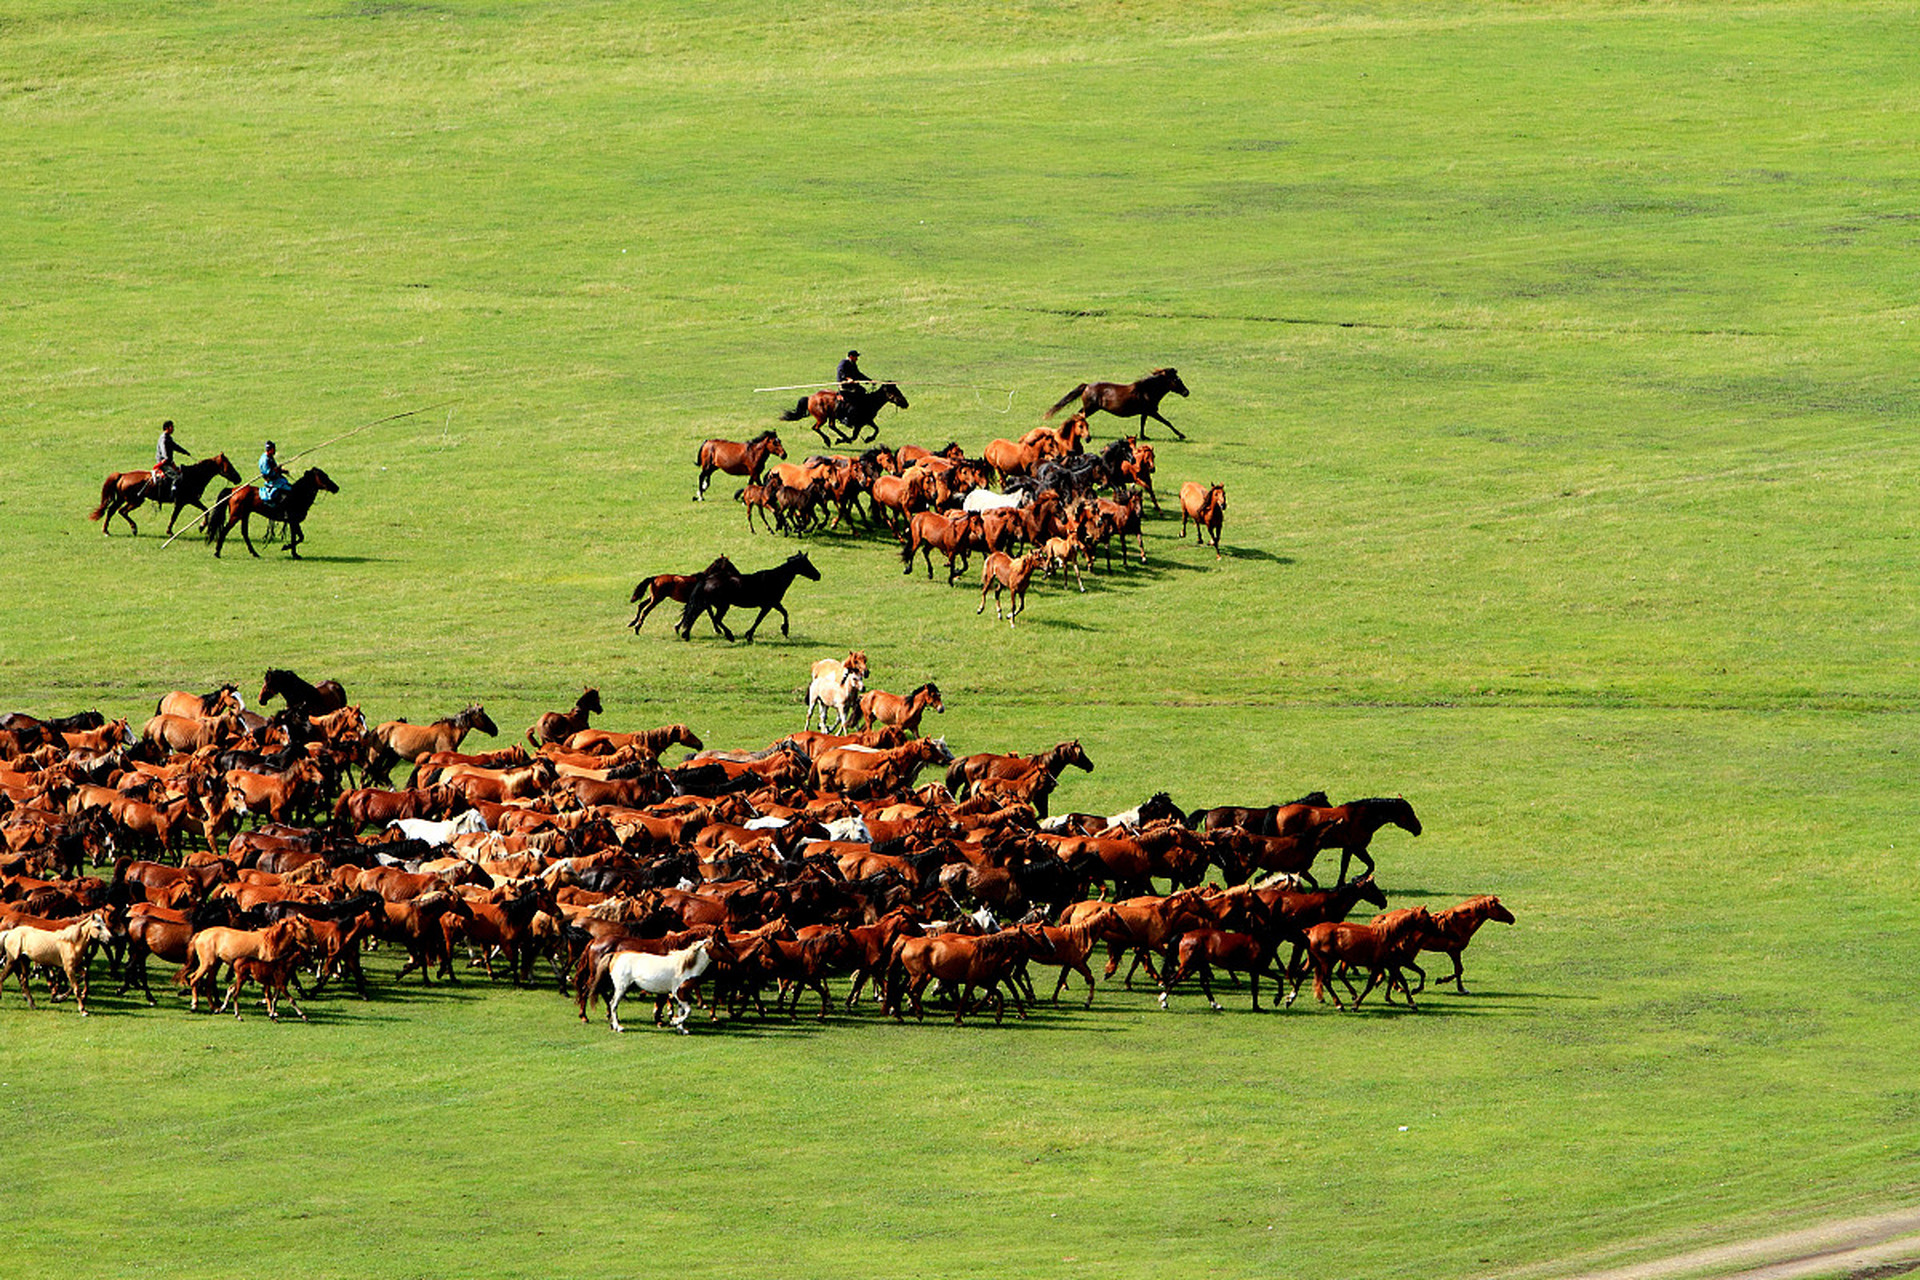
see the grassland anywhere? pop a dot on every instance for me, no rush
(1557, 361)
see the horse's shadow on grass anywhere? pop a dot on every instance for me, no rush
(346, 559)
(1255, 553)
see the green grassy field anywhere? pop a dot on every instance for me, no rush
(1558, 364)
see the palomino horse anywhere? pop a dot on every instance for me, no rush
(736, 459)
(25, 945)
(665, 586)
(832, 692)
(1128, 399)
(853, 408)
(123, 491)
(1011, 574)
(1206, 506)
(721, 589)
(243, 503)
(306, 699)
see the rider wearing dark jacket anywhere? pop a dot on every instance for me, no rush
(848, 374)
(164, 467)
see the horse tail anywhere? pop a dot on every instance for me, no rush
(956, 776)
(217, 514)
(906, 547)
(645, 585)
(107, 488)
(796, 413)
(1061, 403)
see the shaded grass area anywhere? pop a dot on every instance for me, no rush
(1554, 358)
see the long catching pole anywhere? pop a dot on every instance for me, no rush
(393, 417)
(829, 386)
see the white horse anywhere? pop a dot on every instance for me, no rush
(440, 833)
(833, 692)
(658, 976)
(982, 500)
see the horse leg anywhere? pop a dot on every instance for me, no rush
(294, 539)
(246, 533)
(706, 475)
(763, 617)
(613, 1005)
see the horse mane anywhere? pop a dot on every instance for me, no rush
(1313, 799)
(768, 434)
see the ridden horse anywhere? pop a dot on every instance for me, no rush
(851, 407)
(831, 691)
(930, 531)
(303, 698)
(879, 707)
(243, 503)
(1206, 507)
(665, 586)
(1127, 399)
(721, 589)
(558, 726)
(1011, 574)
(124, 491)
(736, 459)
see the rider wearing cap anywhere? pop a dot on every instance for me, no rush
(273, 478)
(165, 469)
(850, 378)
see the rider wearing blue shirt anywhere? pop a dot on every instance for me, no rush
(273, 478)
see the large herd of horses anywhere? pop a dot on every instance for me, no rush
(1036, 505)
(258, 856)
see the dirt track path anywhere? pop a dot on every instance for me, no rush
(1878, 1245)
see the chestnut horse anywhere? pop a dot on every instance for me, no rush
(736, 459)
(928, 532)
(1127, 399)
(558, 726)
(410, 742)
(1012, 574)
(1206, 507)
(123, 491)
(243, 503)
(879, 707)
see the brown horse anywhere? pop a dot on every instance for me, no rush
(903, 494)
(929, 531)
(1206, 507)
(880, 707)
(399, 740)
(1384, 949)
(663, 586)
(1127, 399)
(1349, 827)
(243, 503)
(736, 459)
(1011, 458)
(1067, 439)
(1137, 466)
(200, 706)
(1011, 574)
(558, 726)
(986, 764)
(1454, 928)
(124, 491)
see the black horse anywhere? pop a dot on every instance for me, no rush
(721, 588)
(1126, 399)
(852, 408)
(241, 504)
(307, 699)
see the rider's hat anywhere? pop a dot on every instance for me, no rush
(269, 446)
(167, 425)
(853, 355)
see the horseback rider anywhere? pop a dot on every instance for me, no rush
(165, 469)
(273, 479)
(850, 378)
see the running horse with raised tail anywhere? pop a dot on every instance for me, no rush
(242, 504)
(1127, 399)
(854, 408)
(722, 588)
(123, 491)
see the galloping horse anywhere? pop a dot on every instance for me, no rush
(1013, 574)
(1128, 399)
(721, 588)
(410, 742)
(306, 699)
(853, 408)
(736, 459)
(1350, 826)
(243, 503)
(665, 586)
(125, 490)
(929, 531)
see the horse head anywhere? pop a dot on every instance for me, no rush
(475, 717)
(799, 563)
(890, 394)
(588, 701)
(320, 480)
(1171, 378)
(225, 469)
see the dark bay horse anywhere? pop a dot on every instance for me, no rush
(1128, 399)
(736, 459)
(721, 588)
(853, 408)
(307, 699)
(242, 504)
(1350, 826)
(125, 490)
